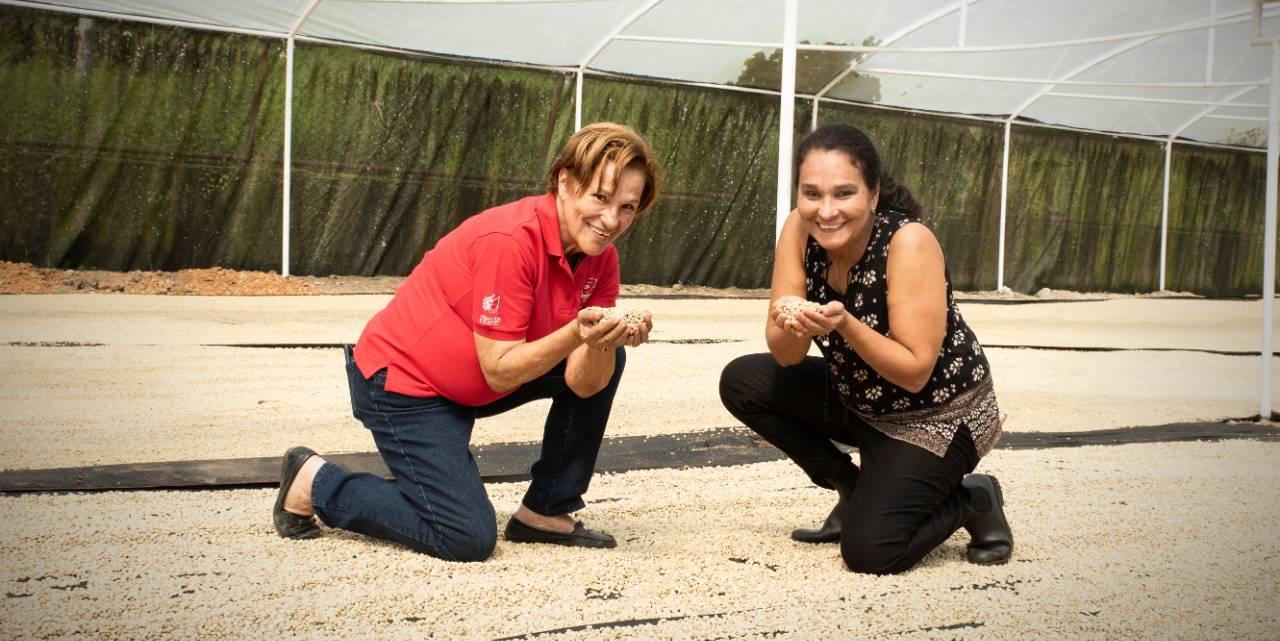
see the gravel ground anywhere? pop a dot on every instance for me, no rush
(151, 389)
(1112, 543)
(1160, 541)
(1130, 323)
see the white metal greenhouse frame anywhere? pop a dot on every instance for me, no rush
(1102, 50)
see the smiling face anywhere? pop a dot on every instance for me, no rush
(834, 201)
(596, 215)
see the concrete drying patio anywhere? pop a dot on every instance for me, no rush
(1144, 540)
(131, 379)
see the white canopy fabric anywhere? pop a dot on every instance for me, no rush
(1199, 71)
(1160, 68)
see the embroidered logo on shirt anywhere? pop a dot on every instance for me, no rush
(589, 288)
(490, 306)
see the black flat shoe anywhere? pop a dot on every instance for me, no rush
(517, 531)
(288, 524)
(992, 540)
(828, 532)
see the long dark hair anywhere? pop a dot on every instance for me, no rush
(851, 140)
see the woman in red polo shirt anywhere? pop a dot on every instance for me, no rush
(493, 317)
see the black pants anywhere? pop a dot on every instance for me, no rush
(906, 500)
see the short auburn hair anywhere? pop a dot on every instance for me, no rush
(605, 143)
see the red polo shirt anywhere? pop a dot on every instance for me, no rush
(501, 274)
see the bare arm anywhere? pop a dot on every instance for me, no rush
(788, 280)
(589, 369)
(589, 350)
(917, 299)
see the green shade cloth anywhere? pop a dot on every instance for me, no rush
(131, 146)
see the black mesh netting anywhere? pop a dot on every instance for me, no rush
(131, 146)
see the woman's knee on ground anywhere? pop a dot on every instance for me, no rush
(867, 549)
(473, 539)
(473, 542)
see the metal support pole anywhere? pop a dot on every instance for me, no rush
(814, 123)
(287, 174)
(787, 114)
(1164, 214)
(1208, 63)
(1004, 206)
(288, 157)
(1269, 234)
(577, 103)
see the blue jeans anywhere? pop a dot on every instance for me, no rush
(437, 503)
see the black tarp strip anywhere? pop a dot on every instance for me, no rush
(673, 341)
(502, 462)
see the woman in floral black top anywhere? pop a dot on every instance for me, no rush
(901, 376)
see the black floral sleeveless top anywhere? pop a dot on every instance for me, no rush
(959, 391)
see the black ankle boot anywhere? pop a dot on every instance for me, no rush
(829, 531)
(991, 540)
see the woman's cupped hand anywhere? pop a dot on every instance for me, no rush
(601, 333)
(806, 323)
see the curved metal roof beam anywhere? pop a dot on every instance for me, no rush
(595, 51)
(604, 42)
(1145, 36)
(887, 48)
(1187, 26)
(306, 15)
(1073, 83)
(900, 34)
(1013, 115)
(1030, 46)
(1164, 101)
(1198, 117)
(1231, 117)
(703, 41)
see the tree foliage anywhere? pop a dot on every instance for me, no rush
(1247, 137)
(814, 69)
